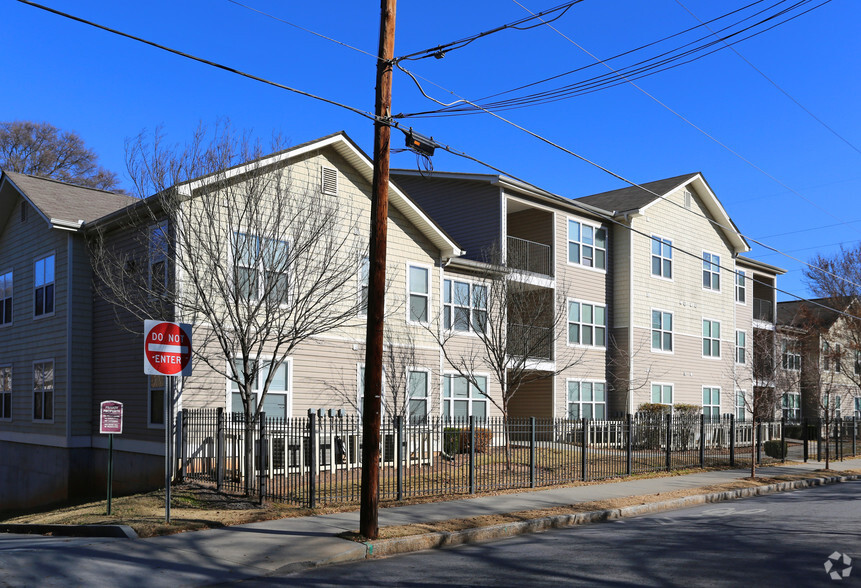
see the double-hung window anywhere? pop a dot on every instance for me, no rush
(662, 394)
(587, 245)
(464, 306)
(6, 298)
(587, 324)
(587, 400)
(740, 407)
(711, 338)
(461, 398)
(791, 407)
(261, 267)
(417, 394)
(662, 257)
(276, 403)
(711, 271)
(158, 248)
(43, 284)
(711, 403)
(419, 294)
(5, 393)
(360, 392)
(833, 405)
(740, 293)
(858, 407)
(157, 398)
(662, 331)
(740, 347)
(364, 279)
(826, 355)
(43, 391)
(791, 357)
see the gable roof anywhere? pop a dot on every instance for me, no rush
(636, 199)
(823, 312)
(61, 205)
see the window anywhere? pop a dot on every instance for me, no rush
(6, 298)
(587, 400)
(711, 271)
(791, 357)
(740, 347)
(360, 392)
(255, 257)
(5, 393)
(740, 408)
(43, 283)
(157, 395)
(711, 403)
(857, 362)
(662, 394)
(364, 278)
(838, 353)
(833, 410)
(662, 257)
(587, 245)
(662, 331)
(158, 247)
(826, 356)
(277, 400)
(711, 338)
(417, 392)
(791, 407)
(462, 399)
(464, 306)
(419, 283)
(329, 180)
(740, 295)
(587, 324)
(43, 391)
(858, 407)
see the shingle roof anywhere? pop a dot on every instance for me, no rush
(634, 197)
(822, 311)
(61, 201)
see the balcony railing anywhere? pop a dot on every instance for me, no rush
(530, 341)
(763, 310)
(530, 256)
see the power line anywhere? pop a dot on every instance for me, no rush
(215, 64)
(775, 84)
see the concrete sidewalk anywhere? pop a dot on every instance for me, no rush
(260, 549)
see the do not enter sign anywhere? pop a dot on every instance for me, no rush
(167, 348)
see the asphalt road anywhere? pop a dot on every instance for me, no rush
(780, 540)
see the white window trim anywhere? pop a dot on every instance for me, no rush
(742, 406)
(3, 300)
(579, 264)
(719, 273)
(429, 269)
(745, 279)
(11, 391)
(33, 393)
(662, 384)
(289, 384)
(594, 325)
(33, 289)
(483, 398)
(427, 372)
(260, 267)
(149, 424)
(472, 283)
(789, 347)
(581, 402)
(360, 384)
(720, 395)
(661, 257)
(719, 357)
(672, 332)
(362, 260)
(736, 347)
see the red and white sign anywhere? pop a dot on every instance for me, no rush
(111, 417)
(167, 348)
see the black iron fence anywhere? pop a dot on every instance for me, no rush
(316, 460)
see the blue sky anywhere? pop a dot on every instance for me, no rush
(797, 190)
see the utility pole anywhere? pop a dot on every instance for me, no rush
(372, 404)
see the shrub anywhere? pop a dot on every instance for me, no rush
(456, 440)
(651, 408)
(775, 449)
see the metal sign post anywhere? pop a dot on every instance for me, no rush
(110, 423)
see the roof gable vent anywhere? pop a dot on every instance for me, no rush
(329, 180)
(23, 212)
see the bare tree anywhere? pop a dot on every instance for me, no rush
(230, 242)
(42, 149)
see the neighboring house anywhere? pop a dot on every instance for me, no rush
(820, 347)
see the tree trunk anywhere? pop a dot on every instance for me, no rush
(753, 450)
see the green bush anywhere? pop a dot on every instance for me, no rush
(775, 449)
(456, 440)
(652, 408)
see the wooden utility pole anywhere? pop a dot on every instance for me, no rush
(372, 404)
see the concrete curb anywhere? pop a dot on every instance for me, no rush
(387, 547)
(117, 531)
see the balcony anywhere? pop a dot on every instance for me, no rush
(763, 310)
(530, 341)
(529, 256)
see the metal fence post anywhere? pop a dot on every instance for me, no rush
(263, 457)
(584, 424)
(783, 448)
(399, 440)
(732, 440)
(532, 452)
(805, 434)
(854, 436)
(183, 445)
(669, 441)
(758, 426)
(219, 448)
(312, 459)
(702, 440)
(472, 453)
(819, 441)
(629, 445)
